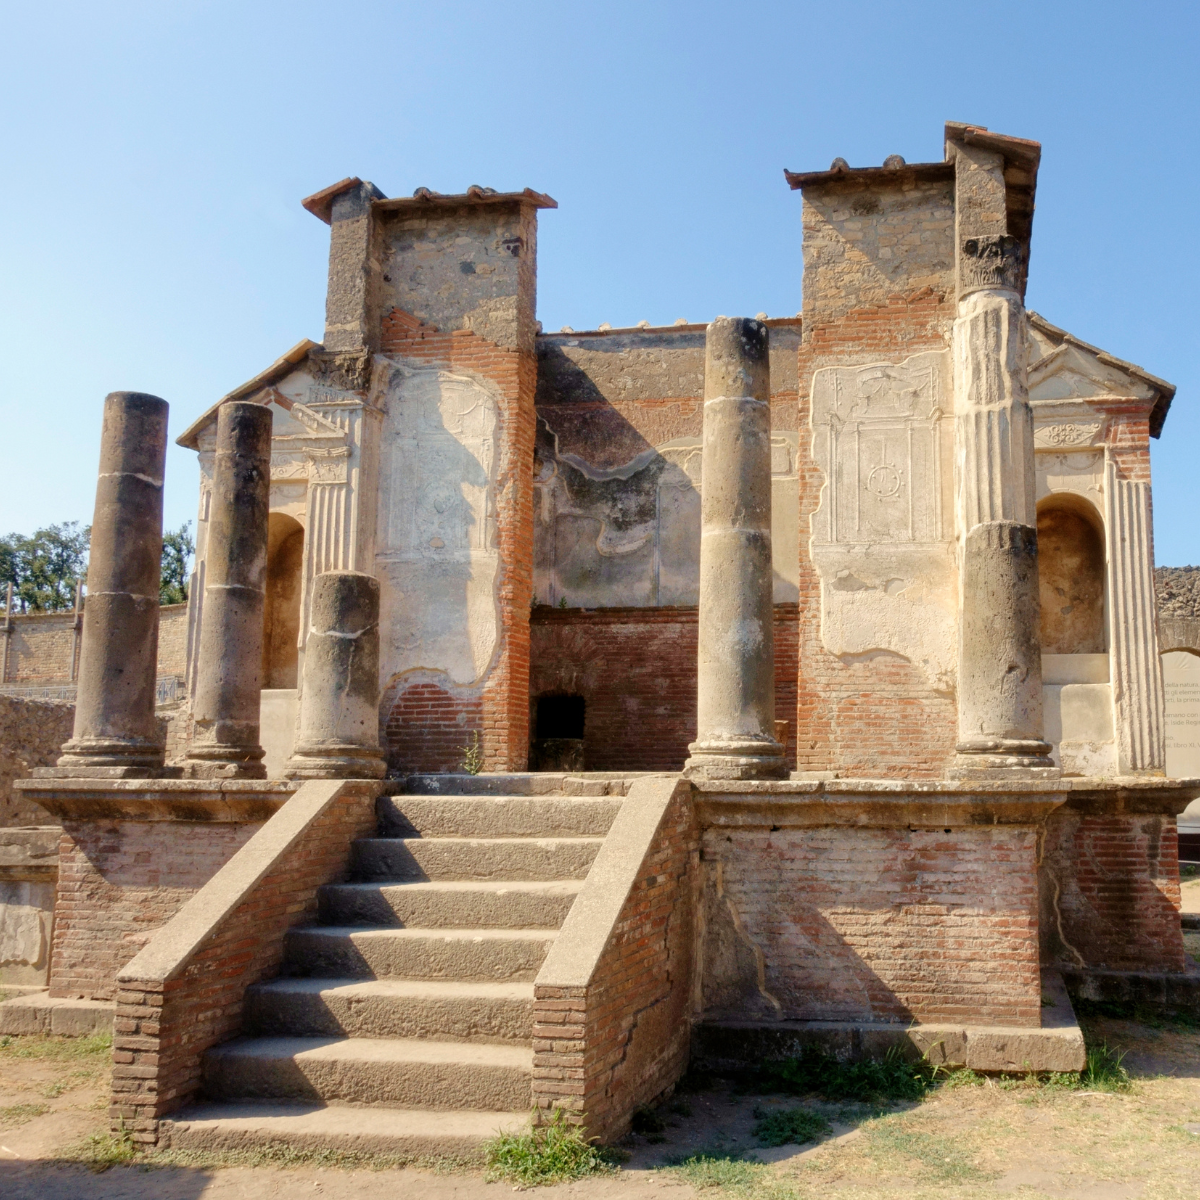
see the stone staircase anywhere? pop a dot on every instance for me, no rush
(402, 1022)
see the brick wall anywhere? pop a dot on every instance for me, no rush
(42, 644)
(502, 709)
(860, 924)
(636, 669)
(118, 881)
(1109, 885)
(162, 1027)
(603, 1049)
(31, 735)
(874, 716)
(428, 727)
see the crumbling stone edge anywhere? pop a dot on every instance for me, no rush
(612, 1002)
(183, 992)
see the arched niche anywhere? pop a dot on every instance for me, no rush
(281, 617)
(1071, 575)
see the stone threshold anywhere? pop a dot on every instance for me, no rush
(1058, 1045)
(1170, 992)
(38, 1012)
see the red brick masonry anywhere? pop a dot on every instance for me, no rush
(183, 993)
(612, 1007)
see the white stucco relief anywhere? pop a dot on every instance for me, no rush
(437, 555)
(881, 538)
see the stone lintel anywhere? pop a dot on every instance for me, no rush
(29, 853)
(1001, 1049)
(216, 800)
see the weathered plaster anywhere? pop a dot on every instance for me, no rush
(437, 556)
(881, 538)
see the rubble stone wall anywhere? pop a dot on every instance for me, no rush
(31, 735)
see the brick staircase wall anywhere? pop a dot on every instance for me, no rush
(183, 993)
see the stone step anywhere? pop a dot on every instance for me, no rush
(349, 952)
(385, 1072)
(399, 859)
(495, 816)
(421, 1132)
(529, 904)
(382, 1008)
(516, 783)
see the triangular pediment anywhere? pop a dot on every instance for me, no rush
(1062, 367)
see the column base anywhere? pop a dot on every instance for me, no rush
(339, 761)
(216, 761)
(107, 758)
(1003, 758)
(740, 758)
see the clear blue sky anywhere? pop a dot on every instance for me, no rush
(152, 236)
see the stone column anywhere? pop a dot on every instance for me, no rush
(999, 652)
(225, 709)
(338, 736)
(116, 734)
(735, 728)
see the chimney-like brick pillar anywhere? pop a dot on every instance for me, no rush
(225, 709)
(116, 734)
(338, 736)
(735, 729)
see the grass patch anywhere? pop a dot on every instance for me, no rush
(283, 1155)
(104, 1150)
(873, 1080)
(551, 1153)
(941, 1161)
(782, 1126)
(97, 1048)
(717, 1169)
(18, 1114)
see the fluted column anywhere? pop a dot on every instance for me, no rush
(338, 737)
(1138, 698)
(116, 734)
(735, 736)
(225, 709)
(1000, 727)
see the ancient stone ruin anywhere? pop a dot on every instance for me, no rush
(563, 707)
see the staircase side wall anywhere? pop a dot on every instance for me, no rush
(612, 1008)
(183, 993)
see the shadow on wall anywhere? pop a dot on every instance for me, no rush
(281, 614)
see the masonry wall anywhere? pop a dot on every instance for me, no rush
(864, 924)
(636, 670)
(31, 735)
(118, 881)
(42, 645)
(878, 288)
(1109, 884)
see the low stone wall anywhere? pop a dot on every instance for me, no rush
(183, 992)
(131, 854)
(31, 735)
(41, 646)
(613, 998)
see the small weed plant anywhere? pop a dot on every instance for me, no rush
(104, 1150)
(18, 1114)
(472, 755)
(784, 1126)
(718, 1168)
(550, 1153)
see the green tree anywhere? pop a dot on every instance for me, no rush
(44, 567)
(178, 549)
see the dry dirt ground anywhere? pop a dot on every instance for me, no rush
(980, 1139)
